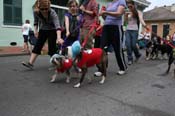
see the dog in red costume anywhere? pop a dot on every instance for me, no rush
(88, 58)
(62, 64)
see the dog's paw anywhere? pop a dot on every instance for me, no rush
(77, 85)
(102, 80)
(53, 78)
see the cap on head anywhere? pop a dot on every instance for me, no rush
(74, 50)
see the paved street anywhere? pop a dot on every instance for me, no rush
(141, 92)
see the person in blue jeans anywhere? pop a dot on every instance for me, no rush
(133, 19)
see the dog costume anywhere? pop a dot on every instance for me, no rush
(90, 57)
(66, 64)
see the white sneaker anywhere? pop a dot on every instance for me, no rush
(129, 62)
(121, 72)
(147, 58)
(77, 85)
(67, 80)
(98, 74)
(102, 80)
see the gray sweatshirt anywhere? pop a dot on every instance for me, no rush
(50, 24)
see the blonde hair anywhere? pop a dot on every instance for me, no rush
(35, 6)
(45, 3)
(71, 2)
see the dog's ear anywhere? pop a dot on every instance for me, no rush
(58, 62)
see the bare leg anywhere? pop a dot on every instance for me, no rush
(33, 58)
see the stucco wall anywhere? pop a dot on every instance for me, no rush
(10, 33)
(160, 26)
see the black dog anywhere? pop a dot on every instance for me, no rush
(170, 61)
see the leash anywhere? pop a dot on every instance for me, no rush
(60, 47)
(165, 41)
(93, 26)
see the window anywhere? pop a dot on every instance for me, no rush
(154, 28)
(60, 8)
(60, 2)
(12, 12)
(166, 28)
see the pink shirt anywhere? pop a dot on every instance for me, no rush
(89, 19)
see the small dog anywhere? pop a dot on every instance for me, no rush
(62, 64)
(83, 59)
(89, 58)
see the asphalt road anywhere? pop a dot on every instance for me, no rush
(141, 92)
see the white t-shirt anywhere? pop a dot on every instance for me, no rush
(25, 29)
(147, 36)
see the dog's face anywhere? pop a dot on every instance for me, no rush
(57, 62)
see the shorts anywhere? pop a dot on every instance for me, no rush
(25, 38)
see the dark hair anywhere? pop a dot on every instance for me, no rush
(130, 2)
(27, 21)
(134, 11)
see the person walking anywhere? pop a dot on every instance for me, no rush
(26, 27)
(73, 21)
(90, 11)
(49, 29)
(112, 33)
(133, 19)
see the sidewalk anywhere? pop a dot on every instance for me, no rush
(16, 50)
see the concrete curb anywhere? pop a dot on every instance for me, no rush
(16, 54)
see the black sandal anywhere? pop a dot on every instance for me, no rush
(28, 65)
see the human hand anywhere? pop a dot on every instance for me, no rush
(82, 8)
(67, 34)
(102, 13)
(36, 34)
(60, 41)
(103, 8)
(147, 28)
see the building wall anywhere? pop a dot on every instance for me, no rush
(160, 26)
(10, 33)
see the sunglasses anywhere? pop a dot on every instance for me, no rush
(43, 9)
(130, 6)
(72, 6)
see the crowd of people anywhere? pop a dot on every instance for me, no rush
(82, 23)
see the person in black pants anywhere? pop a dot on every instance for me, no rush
(112, 33)
(49, 29)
